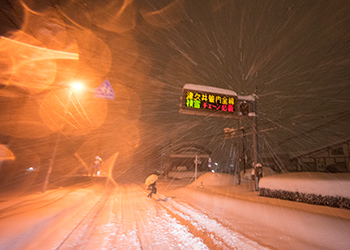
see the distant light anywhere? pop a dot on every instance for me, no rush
(216, 164)
(30, 169)
(98, 172)
(213, 171)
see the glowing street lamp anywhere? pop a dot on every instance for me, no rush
(77, 86)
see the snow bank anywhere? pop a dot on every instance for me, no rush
(313, 188)
(220, 179)
(248, 173)
(184, 174)
(216, 179)
(310, 183)
(308, 187)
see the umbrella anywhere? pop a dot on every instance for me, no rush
(151, 179)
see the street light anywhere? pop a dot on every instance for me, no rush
(77, 85)
(74, 86)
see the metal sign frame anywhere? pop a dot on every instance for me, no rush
(243, 107)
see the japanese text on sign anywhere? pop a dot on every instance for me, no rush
(209, 101)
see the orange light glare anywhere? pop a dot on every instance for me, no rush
(77, 86)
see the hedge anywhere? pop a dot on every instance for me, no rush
(331, 201)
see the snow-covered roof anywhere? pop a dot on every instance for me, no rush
(209, 89)
(190, 149)
(214, 90)
(250, 98)
(319, 148)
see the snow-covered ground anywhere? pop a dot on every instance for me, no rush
(213, 213)
(278, 223)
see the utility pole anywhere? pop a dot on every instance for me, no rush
(52, 160)
(54, 153)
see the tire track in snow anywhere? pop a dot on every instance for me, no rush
(207, 239)
(142, 224)
(126, 234)
(80, 234)
(167, 229)
(221, 236)
(130, 207)
(39, 202)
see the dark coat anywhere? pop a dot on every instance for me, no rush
(153, 189)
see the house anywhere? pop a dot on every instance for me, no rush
(330, 158)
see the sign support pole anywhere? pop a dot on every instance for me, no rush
(255, 140)
(195, 172)
(255, 136)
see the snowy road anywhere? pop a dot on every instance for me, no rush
(118, 218)
(122, 217)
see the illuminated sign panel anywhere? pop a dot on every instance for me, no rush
(205, 100)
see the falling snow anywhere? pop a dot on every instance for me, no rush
(292, 55)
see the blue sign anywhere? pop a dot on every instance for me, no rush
(105, 91)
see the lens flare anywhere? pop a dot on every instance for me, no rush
(5, 153)
(115, 17)
(32, 68)
(95, 56)
(166, 17)
(73, 113)
(20, 118)
(48, 28)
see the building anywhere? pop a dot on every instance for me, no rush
(278, 162)
(333, 158)
(182, 159)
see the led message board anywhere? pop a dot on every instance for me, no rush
(205, 100)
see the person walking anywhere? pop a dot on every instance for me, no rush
(153, 189)
(97, 166)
